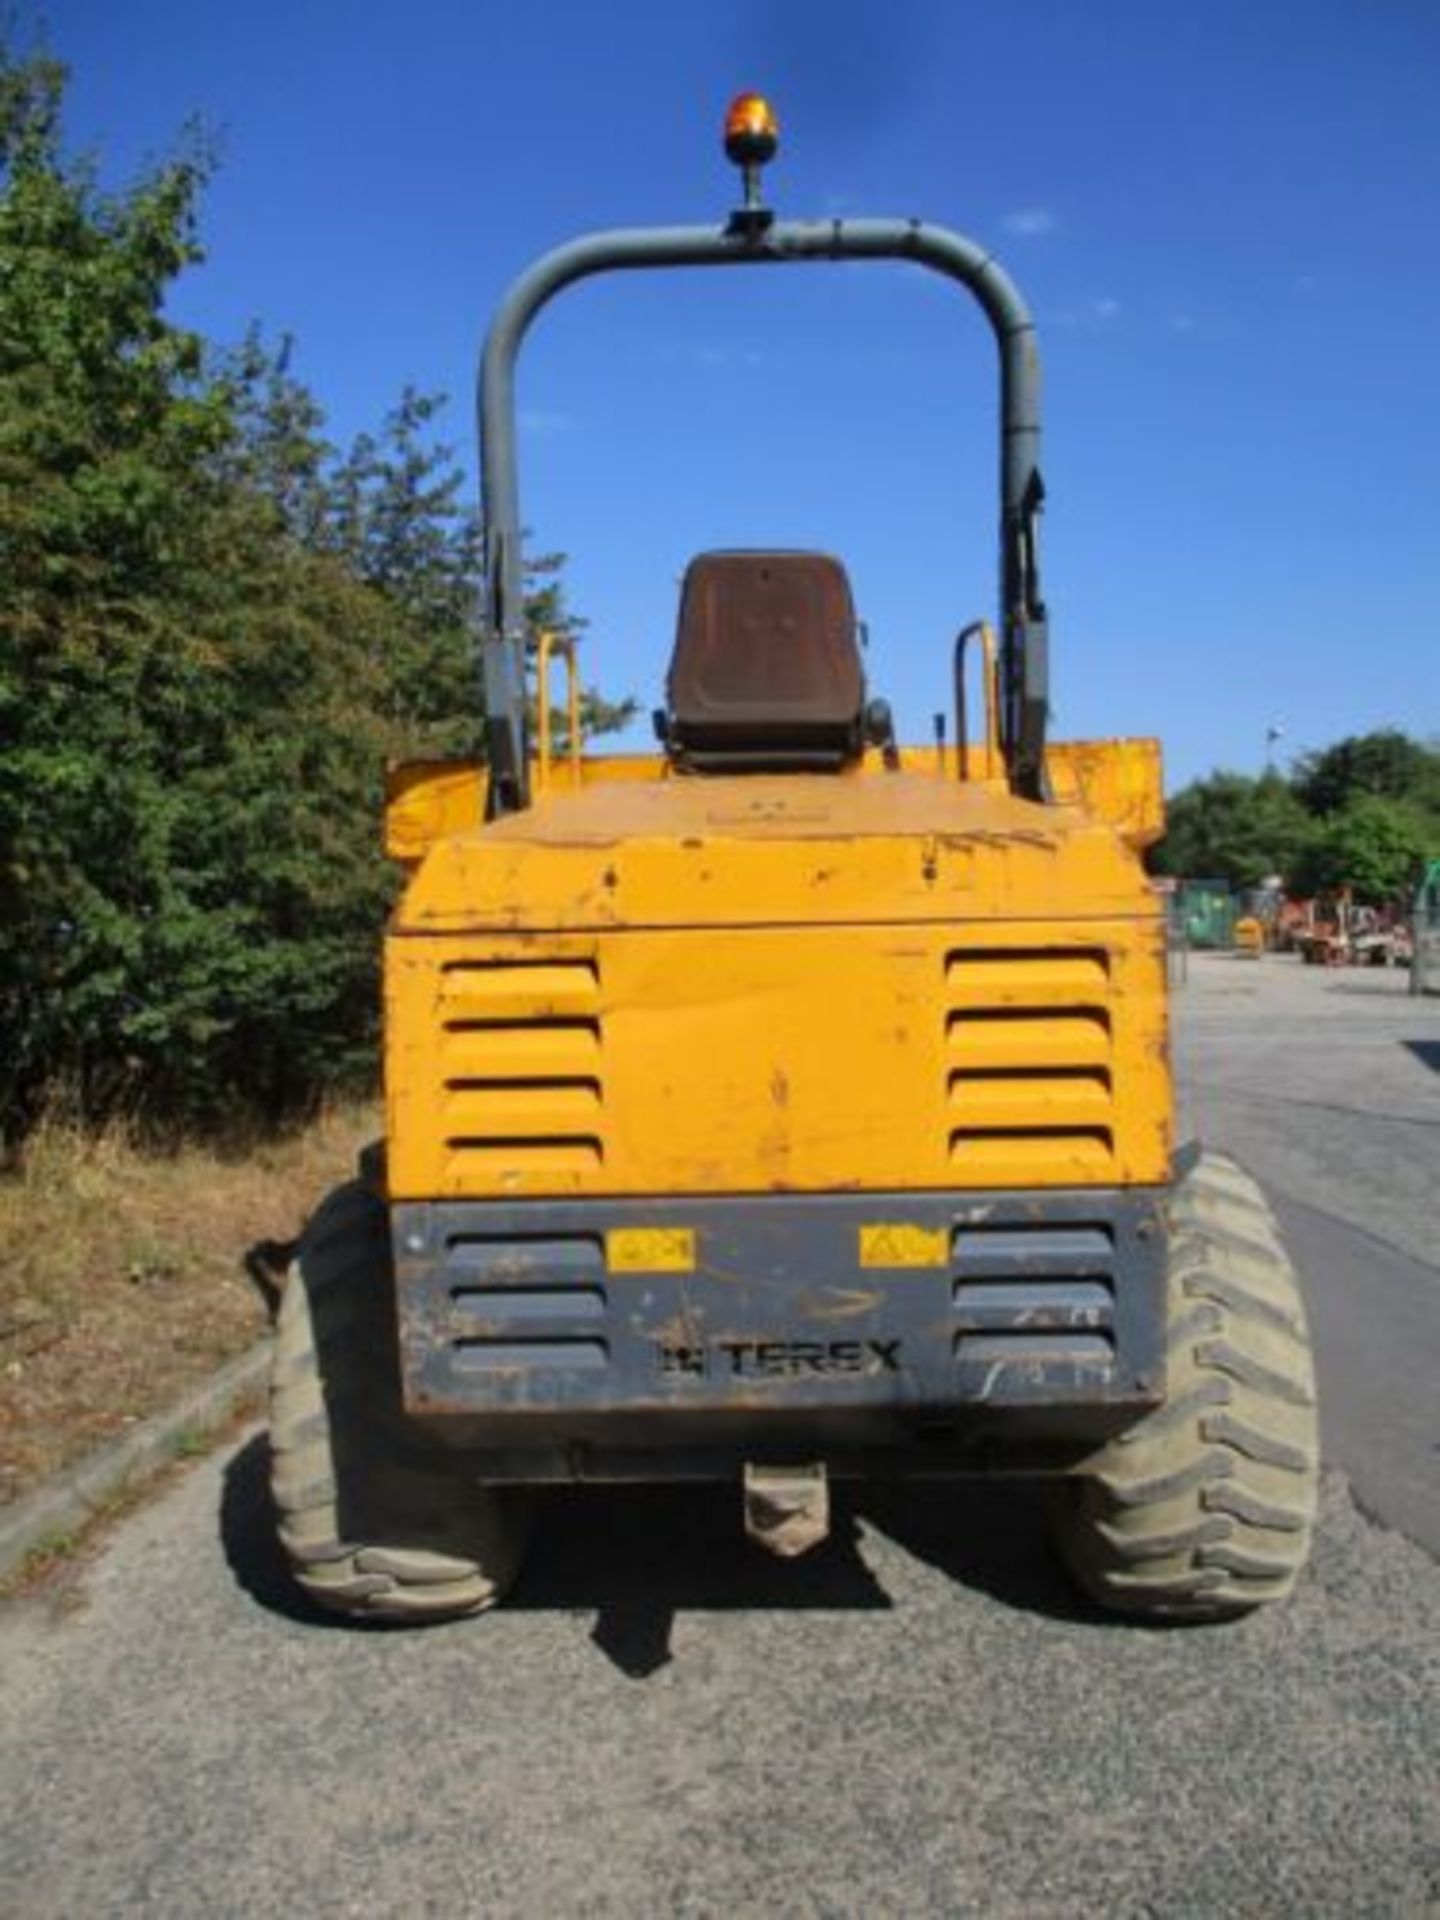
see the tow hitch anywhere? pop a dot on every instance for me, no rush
(787, 1509)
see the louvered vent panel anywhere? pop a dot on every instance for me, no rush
(1028, 1046)
(1034, 1296)
(528, 1302)
(521, 1089)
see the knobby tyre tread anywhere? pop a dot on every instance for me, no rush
(374, 1520)
(1205, 1509)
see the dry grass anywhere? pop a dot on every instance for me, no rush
(125, 1279)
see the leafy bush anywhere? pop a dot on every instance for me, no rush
(1233, 828)
(215, 628)
(1363, 814)
(1373, 846)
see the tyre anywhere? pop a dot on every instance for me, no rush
(1205, 1508)
(375, 1520)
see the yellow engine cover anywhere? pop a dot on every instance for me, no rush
(777, 985)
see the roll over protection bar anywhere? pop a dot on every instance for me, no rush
(748, 241)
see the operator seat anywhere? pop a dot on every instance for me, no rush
(766, 672)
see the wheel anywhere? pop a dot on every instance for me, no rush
(375, 1519)
(1205, 1508)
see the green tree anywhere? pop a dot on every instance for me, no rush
(400, 520)
(1387, 764)
(277, 450)
(214, 631)
(1230, 827)
(1374, 846)
(104, 427)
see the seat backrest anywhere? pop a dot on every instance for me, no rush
(766, 668)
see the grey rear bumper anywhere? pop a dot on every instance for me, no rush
(777, 1326)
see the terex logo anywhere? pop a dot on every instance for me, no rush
(779, 1359)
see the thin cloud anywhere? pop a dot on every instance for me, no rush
(1091, 315)
(546, 422)
(1031, 223)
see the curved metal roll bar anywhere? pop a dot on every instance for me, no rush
(752, 239)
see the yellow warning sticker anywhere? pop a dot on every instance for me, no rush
(650, 1249)
(900, 1243)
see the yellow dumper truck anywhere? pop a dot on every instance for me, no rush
(788, 1104)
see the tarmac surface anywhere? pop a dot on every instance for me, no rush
(1325, 1082)
(918, 1717)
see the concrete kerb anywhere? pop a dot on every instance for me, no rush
(64, 1505)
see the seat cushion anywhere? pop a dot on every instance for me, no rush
(766, 655)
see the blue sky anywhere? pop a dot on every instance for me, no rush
(1226, 214)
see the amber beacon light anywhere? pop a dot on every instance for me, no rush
(752, 136)
(752, 133)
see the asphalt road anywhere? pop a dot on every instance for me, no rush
(917, 1718)
(1326, 1084)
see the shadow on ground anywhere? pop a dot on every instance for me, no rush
(637, 1556)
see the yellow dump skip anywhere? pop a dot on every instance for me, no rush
(1118, 782)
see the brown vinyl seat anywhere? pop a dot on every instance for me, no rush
(766, 671)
